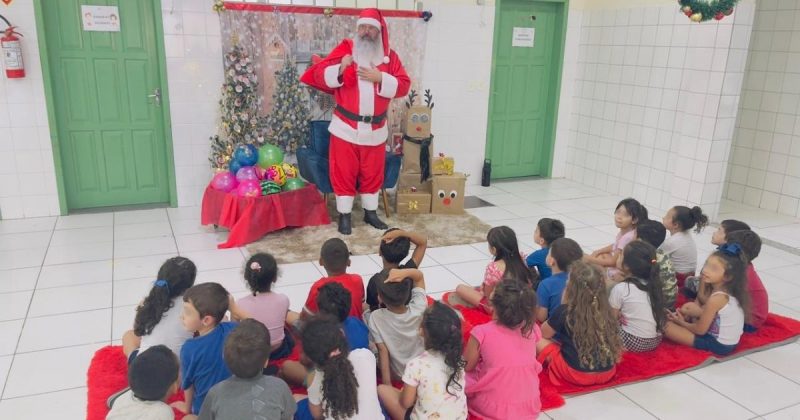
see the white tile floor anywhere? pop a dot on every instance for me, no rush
(68, 286)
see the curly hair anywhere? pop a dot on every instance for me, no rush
(514, 305)
(325, 344)
(504, 241)
(261, 272)
(175, 276)
(442, 328)
(688, 218)
(639, 259)
(589, 317)
(334, 300)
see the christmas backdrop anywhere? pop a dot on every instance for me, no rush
(274, 40)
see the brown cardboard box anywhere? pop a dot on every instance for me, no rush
(448, 193)
(411, 152)
(408, 180)
(442, 165)
(413, 202)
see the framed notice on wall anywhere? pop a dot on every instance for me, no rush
(100, 18)
(523, 37)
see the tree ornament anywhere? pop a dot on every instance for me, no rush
(705, 10)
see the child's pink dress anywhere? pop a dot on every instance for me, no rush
(505, 383)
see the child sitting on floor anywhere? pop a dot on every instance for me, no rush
(638, 301)
(248, 394)
(717, 324)
(502, 370)
(153, 378)
(433, 384)
(680, 245)
(654, 233)
(334, 300)
(547, 231)
(264, 305)
(158, 317)
(343, 384)
(507, 263)
(627, 215)
(581, 343)
(563, 252)
(395, 328)
(759, 300)
(725, 227)
(335, 258)
(394, 248)
(202, 365)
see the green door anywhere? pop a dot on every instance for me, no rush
(525, 79)
(110, 133)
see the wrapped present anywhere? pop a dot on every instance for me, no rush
(448, 193)
(410, 201)
(407, 181)
(417, 137)
(442, 165)
(418, 155)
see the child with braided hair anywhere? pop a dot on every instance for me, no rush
(342, 387)
(581, 343)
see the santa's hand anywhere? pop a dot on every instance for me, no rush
(370, 73)
(346, 61)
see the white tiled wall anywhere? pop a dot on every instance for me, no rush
(765, 163)
(27, 174)
(654, 103)
(194, 71)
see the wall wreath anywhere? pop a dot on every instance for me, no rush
(703, 10)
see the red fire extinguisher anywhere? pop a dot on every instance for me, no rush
(12, 53)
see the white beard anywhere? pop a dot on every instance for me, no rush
(367, 52)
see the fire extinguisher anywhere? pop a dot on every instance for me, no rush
(12, 53)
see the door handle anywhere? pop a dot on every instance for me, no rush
(156, 95)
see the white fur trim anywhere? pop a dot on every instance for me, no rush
(388, 86)
(344, 203)
(332, 76)
(369, 201)
(368, 21)
(364, 137)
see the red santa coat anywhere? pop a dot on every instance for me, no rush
(357, 96)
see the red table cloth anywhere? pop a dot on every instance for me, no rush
(250, 218)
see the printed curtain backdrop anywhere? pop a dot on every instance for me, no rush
(272, 36)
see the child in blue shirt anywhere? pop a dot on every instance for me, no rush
(563, 252)
(202, 364)
(334, 300)
(547, 231)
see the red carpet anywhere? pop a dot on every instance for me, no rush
(108, 369)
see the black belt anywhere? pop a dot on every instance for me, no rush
(370, 119)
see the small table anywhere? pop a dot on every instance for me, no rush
(250, 218)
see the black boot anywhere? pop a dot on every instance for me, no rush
(371, 218)
(345, 225)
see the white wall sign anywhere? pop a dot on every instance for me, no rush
(523, 37)
(100, 18)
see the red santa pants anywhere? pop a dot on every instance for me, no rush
(352, 164)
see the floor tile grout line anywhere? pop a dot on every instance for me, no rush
(43, 393)
(69, 346)
(113, 250)
(720, 393)
(616, 388)
(769, 368)
(780, 409)
(27, 311)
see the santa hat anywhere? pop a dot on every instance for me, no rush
(373, 17)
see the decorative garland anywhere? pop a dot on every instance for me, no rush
(703, 10)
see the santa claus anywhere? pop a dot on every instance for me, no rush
(364, 75)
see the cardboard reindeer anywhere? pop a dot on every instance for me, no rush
(417, 137)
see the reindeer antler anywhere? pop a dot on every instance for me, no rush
(412, 96)
(428, 98)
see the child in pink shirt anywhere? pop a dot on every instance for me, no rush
(502, 370)
(627, 216)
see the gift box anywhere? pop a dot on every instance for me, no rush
(408, 181)
(413, 202)
(412, 150)
(448, 193)
(394, 144)
(442, 165)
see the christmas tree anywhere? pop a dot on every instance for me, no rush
(239, 108)
(288, 122)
